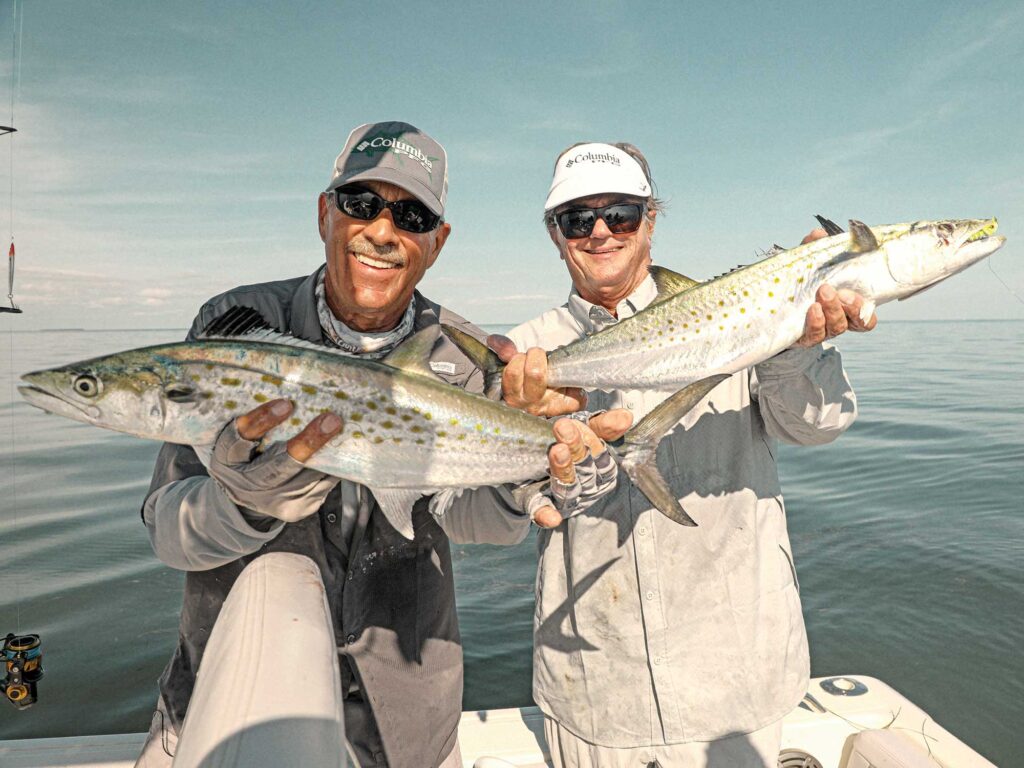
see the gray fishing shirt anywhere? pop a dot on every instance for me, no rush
(647, 632)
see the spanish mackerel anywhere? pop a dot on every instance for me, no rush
(695, 330)
(406, 432)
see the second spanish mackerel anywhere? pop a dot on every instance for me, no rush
(752, 313)
(406, 433)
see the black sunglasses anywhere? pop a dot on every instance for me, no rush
(360, 203)
(621, 218)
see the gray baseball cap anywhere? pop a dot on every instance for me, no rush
(399, 154)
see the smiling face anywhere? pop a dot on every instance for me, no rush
(373, 267)
(605, 267)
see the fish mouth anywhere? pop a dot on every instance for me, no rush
(55, 404)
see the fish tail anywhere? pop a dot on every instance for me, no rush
(638, 453)
(482, 357)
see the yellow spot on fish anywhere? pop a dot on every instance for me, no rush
(686, 325)
(308, 389)
(770, 294)
(388, 424)
(341, 395)
(776, 279)
(427, 416)
(371, 405)
(461, 437)
(259, 397)
(396, 440)
(721, 327)
(709, 317)
(497, 431)
(721, 303)
(230, 405)
(295, 421)
(520, 441)
(479, 427)
(357, 417)
(773, 311)
(725, 314)
(406, 417)
(229, 382)
(746, 293)
(390, 410)
(358, 435)
(416, 428)
(420, 441)
(195, 377)
(378, 440)
(209, 366)
(800, 280)
(442, 433)
(206, 395)
(454, 422)
(743, 310)
(276, 381)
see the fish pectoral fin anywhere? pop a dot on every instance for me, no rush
(867, 309)
(670, 283)
(397, 504)
(481, 356)
(413, 354)
(862, 239)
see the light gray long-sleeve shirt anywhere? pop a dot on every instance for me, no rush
(647, 632)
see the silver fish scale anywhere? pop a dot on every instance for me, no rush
(401, 430)
(721, 326)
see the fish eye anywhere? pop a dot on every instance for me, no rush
(86, 385)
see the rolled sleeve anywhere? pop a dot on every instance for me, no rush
(480, 515)
(804, 395)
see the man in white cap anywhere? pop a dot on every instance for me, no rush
(657, 644)
(392, 600)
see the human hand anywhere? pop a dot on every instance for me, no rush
(274, 483)
(833, 313)
(581, 468)
(524, 381)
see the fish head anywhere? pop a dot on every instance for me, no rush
(131, 392)
(921, 254)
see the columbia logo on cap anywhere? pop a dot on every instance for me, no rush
(593, 157)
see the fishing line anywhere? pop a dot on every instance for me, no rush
(1012, 292)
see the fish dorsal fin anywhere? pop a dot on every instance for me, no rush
(413, 354)
(246, 324)
(830, 227)
(397, 504)
(670, 283)
(862, 239)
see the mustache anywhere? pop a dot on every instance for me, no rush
(390, 253)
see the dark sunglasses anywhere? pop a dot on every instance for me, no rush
(409, 215)
(621, 219)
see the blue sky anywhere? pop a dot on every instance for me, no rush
(169, 151)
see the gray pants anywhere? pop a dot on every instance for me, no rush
(162, 741)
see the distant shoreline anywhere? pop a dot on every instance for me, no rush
(485, 326)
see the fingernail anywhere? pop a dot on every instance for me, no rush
(280, 408)
(828, 292)
(330, 423)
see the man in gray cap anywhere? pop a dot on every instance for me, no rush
(392, 600)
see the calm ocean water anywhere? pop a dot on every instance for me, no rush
(908, 534)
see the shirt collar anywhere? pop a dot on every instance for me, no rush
(593, 317)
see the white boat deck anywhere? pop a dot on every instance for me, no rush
(822, 727)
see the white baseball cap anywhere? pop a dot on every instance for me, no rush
(595, 169)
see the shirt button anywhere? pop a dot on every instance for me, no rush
(349, 639)
(650, 594)
(642, 530)
(658, 659)
(331, 517)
